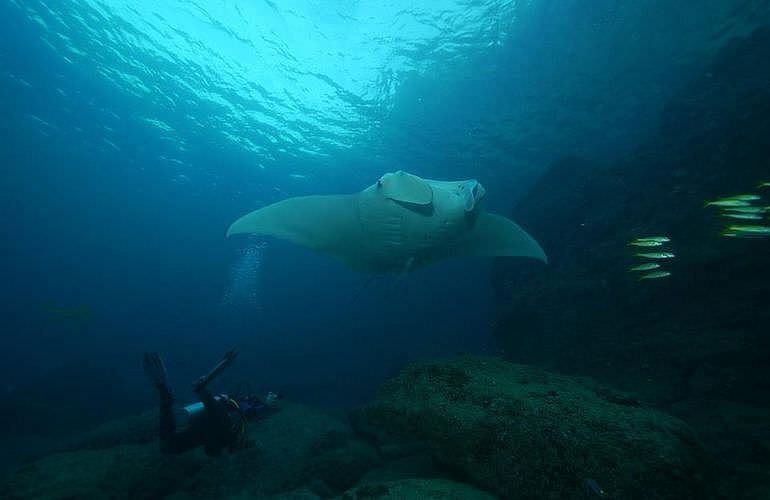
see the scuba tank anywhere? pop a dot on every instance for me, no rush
(186, 414)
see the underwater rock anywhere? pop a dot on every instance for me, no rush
(294, 449)
(298, 494)
(417, 489)
(301, 446)
(132, 471)
(696, 342)
(519, 432)
(421, 466)
(138, 429)
(64, 400)
(585, 314)
(341, 468)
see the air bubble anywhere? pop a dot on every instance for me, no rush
(243, 289)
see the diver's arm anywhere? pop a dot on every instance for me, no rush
(202, 382)
(200, 385)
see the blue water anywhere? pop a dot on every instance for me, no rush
(134, 133)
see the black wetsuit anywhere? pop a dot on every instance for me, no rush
(219, 426)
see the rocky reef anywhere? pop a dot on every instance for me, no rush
(694, 343)
(294, 449)
(465, 428)
(519, 432)
(416, 489)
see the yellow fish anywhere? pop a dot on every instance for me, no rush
(741, 231)
(742, 216)
(747, 210)
(744, 197)
(659, 239)
(655, 255)
(645, 243)
(644, 267)
(655, 275)
(727, 203)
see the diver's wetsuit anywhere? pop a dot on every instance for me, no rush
(219, 426)
(221, 423)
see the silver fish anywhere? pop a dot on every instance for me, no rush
(727, 203)
(659, 239)
(742, 216)
(747, 210)
(644, 267)
(655, 255)
(763, 230)
(645, 243)
(655, 275)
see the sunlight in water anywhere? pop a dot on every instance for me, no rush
(272, 77)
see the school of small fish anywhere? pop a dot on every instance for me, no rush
(651, 270)
(740, 208)
(750, 220)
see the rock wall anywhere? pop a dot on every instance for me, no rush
(703, 330)
(696, 343)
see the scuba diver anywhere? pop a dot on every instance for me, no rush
(216, 422)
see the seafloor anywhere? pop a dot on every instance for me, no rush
(465, 428)
(678, 403)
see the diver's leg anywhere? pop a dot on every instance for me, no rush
(172, 441)
(167, 422)
(156, 371)
(216, 428)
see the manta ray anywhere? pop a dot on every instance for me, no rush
(400, 223)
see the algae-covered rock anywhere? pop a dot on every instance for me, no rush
(299, 494)
(420, 466)
(341, 468)
(523, 433)
(296, 449)
(417, 489)
(137, 429)
(300, 446)
(130, 471)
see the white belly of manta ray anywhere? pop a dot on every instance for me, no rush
(400, 223)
